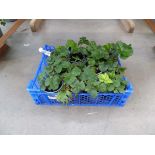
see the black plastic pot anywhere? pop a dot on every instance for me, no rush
(81, 57)
(55, 91)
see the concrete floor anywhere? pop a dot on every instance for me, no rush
(18, 113)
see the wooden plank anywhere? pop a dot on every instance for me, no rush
(129, 25)
(13, 28)
(3, 49)
(35, 24)
(151, 24)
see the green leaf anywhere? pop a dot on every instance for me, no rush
(83, 41)
(73, 45)
(53, 82)
(69, 79)
(111, 88)
(42, 85)
(106, 55)
(122, 70)
(58, 69)
(75, 90)
(112, 74)
(2, 22)
(121, 89)
(62, 97)
(116, 83)
(76, 71)
(88, 87)
(62, 51)
(96, 83)
(102, 87)
(88, 74)
(41, 76)
(54, 86)
(91, 62)
(48, 70)
(68, 93)
(95, 54)
(77, 86)
(56, 78)
(57, 61)
(116, 91)
(47, 82)
(125, 82)
(66, 64)
(104, 78)
(115, 64)
(103, 67)
(124, 50)
(93, 44)
(82, 85)
(107, 47)
(83, 50)
(93, 93)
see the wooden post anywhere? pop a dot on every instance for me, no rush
(13, 28)
(151, 24)
(129, 25)
(35, 24)
(3, 49)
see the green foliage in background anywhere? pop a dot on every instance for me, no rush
(2, 22)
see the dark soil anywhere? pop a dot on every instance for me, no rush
(54, 90)
(78, 55)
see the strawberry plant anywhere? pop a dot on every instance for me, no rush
(85, 66)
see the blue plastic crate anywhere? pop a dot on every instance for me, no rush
(82, 99)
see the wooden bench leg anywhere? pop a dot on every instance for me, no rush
(129, 25)
(35, 24)
(3, 49)
(13, 28)
(151, 24)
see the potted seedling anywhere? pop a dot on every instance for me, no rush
(76, 55)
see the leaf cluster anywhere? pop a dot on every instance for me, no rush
(2, 22)
(85, 66)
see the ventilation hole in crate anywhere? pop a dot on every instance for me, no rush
(104, 99)
(72, 100)
(37, 101)
(84, 99)
(116, 100)
(54, 102)
(37, 84)
(44, 100)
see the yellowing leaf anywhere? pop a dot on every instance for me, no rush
(104, 78)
